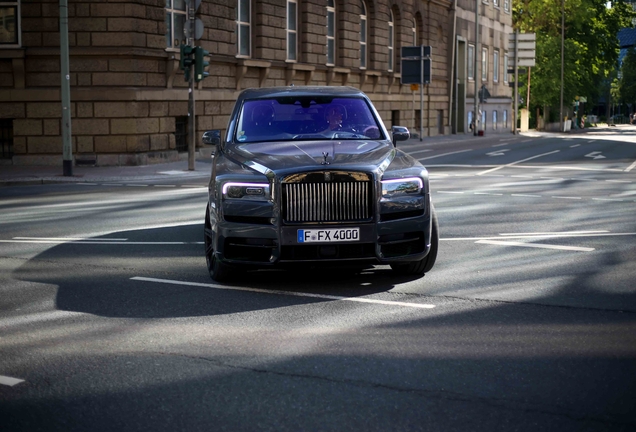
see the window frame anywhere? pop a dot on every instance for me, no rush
(171, 13)
(17, 24)
(292, 32)
(391, 42)
(495, 66)
(364, 24)
(241, 24)
(484, 64)
(494, 120)
(331, 9)
(505, 72)
(470, 62)
(506, 6)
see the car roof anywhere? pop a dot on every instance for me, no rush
(270, 92)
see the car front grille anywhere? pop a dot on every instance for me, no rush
(327, 197)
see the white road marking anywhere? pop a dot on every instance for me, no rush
(487, 193)
(501, 145)
(517, 162)
(63, 239)
(567, 197)
(607, 199)
(526, 195)
(535, 245)
(575, 145)
(166, 186)
(595, 155)
(445, 154)
(501, 152)
(450, 192)
(539, 236)
(8, 381)
(553, 233)
(90, 242)
(420, 151)
(631, 167)
(87, 184)
(565, 167)
(289, 293)
(618, 181)
(552, 178)
(112, 184)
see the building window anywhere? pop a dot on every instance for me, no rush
(331, 33)
(495, 3)
(495, 66)
(505, 118)
(414, 34)
(292, 30)
(6, 138)
(505, 73)
(484, 64)
(391, 39)
(363, 35)
(470, 120)
(506, 6)
(483, 120)
(471, 62)
(181, 133)
(175, 22)
(494, 120)
(243, 28)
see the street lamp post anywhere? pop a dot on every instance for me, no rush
(562, 61)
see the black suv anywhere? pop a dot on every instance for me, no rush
(310, 175)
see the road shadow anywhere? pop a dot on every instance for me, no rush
(94, 276)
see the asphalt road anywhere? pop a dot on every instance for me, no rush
(109, 321)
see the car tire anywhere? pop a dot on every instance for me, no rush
(218, 271)
(425, 264)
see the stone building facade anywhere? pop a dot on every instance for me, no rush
(129, 97)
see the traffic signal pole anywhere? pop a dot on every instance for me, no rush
(191, 102)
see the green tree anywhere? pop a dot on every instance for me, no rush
(590, 46)
(627, 83)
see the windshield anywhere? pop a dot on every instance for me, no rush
(306, 118)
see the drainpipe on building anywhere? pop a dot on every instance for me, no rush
(67, 148)
(476, 116)
(191, 103)
(453, 80)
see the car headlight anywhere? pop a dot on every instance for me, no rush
(253, 191)
(404, 186)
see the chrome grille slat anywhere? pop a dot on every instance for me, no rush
(327, 201)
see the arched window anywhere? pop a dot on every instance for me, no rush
(391, 40)
(331, 33)
(363, 35)
(243, 28)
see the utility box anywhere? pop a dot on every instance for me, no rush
(525, 120)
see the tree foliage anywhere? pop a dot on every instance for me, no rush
(627, 83)
(590, 46)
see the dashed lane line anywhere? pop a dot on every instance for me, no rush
(9, 381)
(286, 293)
(535, 245)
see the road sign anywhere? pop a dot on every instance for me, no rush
(198, 28)
(416, 65)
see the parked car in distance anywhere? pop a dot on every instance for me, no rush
(310, 176)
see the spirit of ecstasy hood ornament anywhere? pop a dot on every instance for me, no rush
(325, 155)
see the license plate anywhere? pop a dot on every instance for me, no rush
(328, 235)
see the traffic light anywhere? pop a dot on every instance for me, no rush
(186, 61)
(200, 63)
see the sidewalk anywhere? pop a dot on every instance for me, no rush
(13, 175)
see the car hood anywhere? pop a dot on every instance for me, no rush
(294, 155)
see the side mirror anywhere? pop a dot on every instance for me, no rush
(211, 137)
(400, 133)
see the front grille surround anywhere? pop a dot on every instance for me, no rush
(325, 196)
